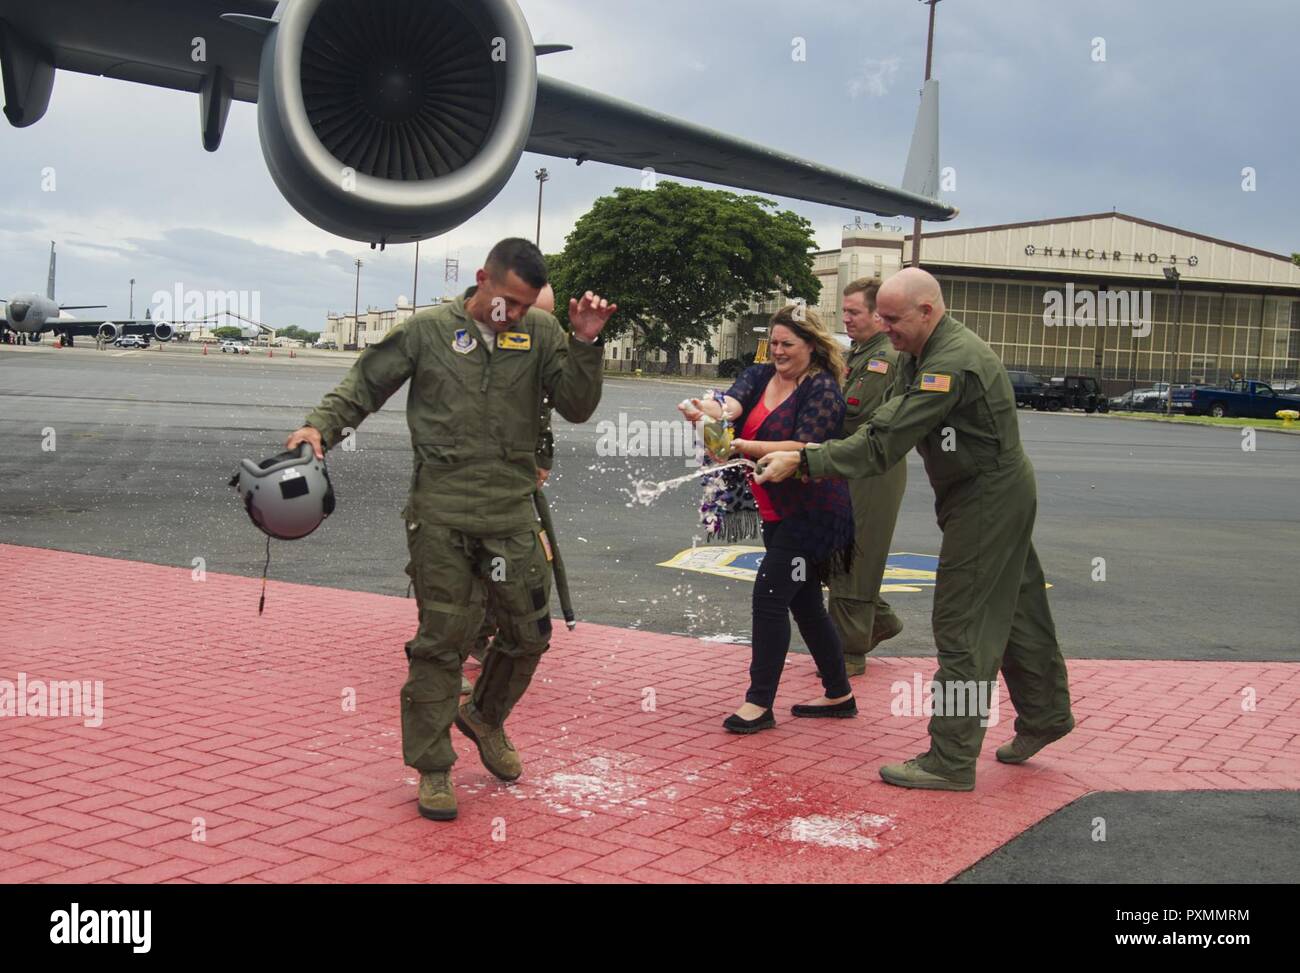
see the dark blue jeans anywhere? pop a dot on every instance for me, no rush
(785, 587)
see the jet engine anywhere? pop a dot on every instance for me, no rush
(163, 331)
(109, 331)
(389, 121)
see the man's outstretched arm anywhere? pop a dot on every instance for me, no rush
(376, 375)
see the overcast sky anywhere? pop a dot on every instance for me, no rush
(1190, 92)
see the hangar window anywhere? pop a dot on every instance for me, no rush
(1293, 351)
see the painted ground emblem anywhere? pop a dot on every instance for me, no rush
(904, 572)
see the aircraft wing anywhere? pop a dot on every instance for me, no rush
(135, 42)
(573, 122)
(77, 327)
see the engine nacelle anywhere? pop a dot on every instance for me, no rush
(390, 121)
(109, 331)
(163, 331)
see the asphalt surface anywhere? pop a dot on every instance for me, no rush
(1198, 536)
(1199, 539)
(1182, 836)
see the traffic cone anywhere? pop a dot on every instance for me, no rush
(270, 352)
(58, 342)
(205, 348)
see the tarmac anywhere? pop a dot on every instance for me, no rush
(214, 714)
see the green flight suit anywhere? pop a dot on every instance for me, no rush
(472, 534)
(856, 606)
(990, 601)
(545, 461)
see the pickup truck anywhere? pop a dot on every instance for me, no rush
(1073, 392)
(1244, 398)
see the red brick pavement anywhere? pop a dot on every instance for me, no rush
(216, 719)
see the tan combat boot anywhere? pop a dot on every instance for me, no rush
(437, 800)
(910, 774)
(494, 747)
(1025, 745)
(854, 665)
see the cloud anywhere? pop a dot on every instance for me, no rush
(1034, 127)
(875, 77)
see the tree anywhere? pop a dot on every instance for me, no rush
(227, 333)
(677, 259)
(296, 333)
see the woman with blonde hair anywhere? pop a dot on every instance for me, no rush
(807, 527)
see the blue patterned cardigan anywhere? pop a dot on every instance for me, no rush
(818, 514)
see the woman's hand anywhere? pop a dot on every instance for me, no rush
(747, 447)
(696, 409)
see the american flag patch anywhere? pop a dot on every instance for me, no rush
(878, 365)
(932, 382)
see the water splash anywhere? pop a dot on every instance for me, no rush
(646, 492)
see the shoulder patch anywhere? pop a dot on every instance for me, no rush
(878, 365)
(514, 341)
(462, 342)
(935, 382)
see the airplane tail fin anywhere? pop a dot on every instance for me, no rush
(49, 287)
(921, 176)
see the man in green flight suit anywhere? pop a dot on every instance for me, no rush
(861, 616)
(545, 460)
(479, 369)
(990, 600)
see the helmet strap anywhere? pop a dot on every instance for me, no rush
(265, 567)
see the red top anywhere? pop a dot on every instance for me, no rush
(752, 422)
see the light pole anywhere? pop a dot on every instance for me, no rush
(542, 175)
(415, 284)
(1171, 273)
(131, 313)
(356, 307)
(929, 61)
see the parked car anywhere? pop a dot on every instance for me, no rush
(1146, 399)
(1134, 400)
(1028, 387)
(1244, 398)
(131, 341)
(234, 347)
(1073, 392)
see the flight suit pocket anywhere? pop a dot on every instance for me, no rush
(519, 584)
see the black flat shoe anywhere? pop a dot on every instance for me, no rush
(736, 724)
(844, 710)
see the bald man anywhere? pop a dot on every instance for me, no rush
(990, 600)
(545, 460)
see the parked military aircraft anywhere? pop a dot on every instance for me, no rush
(31, 314)
(390, 121)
